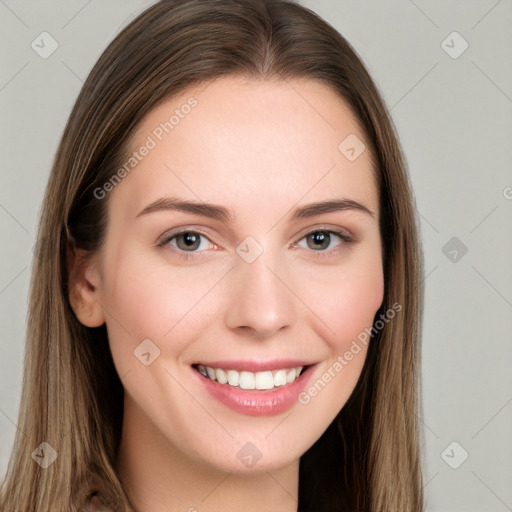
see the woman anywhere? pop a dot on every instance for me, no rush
(226, 298)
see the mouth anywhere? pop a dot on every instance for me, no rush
(255, 389)
(247, 380)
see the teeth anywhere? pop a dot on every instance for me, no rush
(233, 377)
(251, 380)
(247, 380)
(221, 376)
(264, 380)
(280, 378)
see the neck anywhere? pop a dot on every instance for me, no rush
(159, 477)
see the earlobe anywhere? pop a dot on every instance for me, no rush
(87, 309)
(83, 281)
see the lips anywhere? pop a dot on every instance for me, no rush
(255, 388)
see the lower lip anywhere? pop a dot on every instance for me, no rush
(258, 403)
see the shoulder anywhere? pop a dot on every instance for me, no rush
(94, 504)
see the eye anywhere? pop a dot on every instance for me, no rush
(189, 241)
(322, 240)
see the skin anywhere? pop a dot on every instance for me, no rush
(260, 149)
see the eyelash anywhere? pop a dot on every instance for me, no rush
(187, 255)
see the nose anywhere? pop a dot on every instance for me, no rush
(261, 303)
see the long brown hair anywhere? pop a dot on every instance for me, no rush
(369, 458)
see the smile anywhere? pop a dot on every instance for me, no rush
(265, 380)
(270, 388)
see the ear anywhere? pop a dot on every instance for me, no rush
(83, 282)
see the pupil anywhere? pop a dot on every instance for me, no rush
(190, 240)
(320, 240)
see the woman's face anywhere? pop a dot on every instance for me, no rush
(243, 243)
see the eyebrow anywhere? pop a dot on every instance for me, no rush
(199, 208)
(224, 214)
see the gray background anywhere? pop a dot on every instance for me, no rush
(453, 114)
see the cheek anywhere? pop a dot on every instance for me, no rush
(345, 312)
(155, 304)
(359, 298)
(345, 299)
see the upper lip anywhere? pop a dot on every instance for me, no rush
(254, 365)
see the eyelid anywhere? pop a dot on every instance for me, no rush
(345, 234)
(179, 230)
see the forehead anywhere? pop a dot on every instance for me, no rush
(235, 141)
